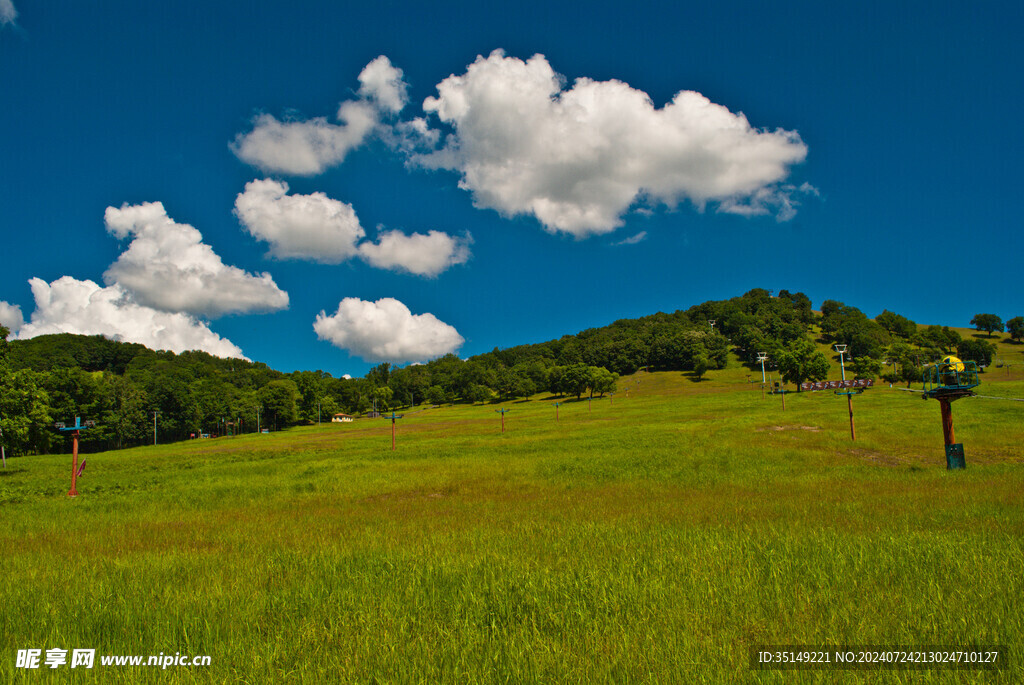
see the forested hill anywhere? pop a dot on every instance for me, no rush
(120, 385)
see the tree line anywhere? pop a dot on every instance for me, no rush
(132, 392)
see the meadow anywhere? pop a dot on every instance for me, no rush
(653, 536)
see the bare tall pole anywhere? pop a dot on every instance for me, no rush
(155, 412)
(849, 403)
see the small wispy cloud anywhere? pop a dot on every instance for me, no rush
(633, 240)
(7, 12)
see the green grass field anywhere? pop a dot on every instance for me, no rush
(654, 538)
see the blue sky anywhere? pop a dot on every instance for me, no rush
(451, 198)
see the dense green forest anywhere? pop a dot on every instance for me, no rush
(130, 391)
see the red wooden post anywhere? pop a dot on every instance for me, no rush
(947, 421)
(73, 492)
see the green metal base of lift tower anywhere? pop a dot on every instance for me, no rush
(955, 456)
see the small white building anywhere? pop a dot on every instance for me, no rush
(341, 418)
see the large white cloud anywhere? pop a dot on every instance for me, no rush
(68, 305)
(423, 254)
(10, 316)
(168, 267)
(578, 158)
(307, 148)
(386, 330)
(7, 12)
(313, 226)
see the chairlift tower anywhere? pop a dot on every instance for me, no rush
(394, 417)
(948, 381)
(841, 349)
(76, 470)
(504, 411)
(761, 357)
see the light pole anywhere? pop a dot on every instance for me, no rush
(841, 349)
(155, 413)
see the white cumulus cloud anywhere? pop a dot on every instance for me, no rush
(577, 158)
(10, 316)
(313, 226)
(68, 305)
(168, 267)
(307, 148)
(382, 83)
(318, 228)
(423, 254)
(304, 148)
(8, 13)
(386, 330)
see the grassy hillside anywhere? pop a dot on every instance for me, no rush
(653, 537)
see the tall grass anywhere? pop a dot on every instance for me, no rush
(653, 539)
